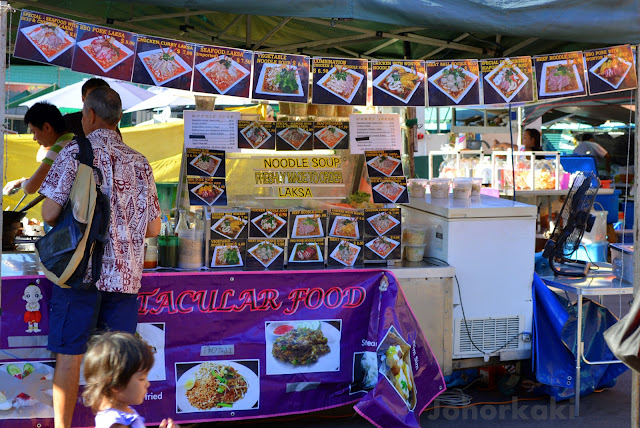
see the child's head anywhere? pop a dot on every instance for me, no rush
(115, 368)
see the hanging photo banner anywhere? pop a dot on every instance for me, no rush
(453, 83)
(398, 83)
(223, 71)
(611, 69)
(45, 38)
(507, 80)
(104, 52)
(163, 62)
(339, 81)
(281, 77)
(560, 75)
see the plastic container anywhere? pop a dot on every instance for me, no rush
(414, 253)
(462, 188)
(439, 187)
(622, 261)
(150, 253)
(417, 187)
(476, 186)
(191, 249)
(414, 234)
(168, 251)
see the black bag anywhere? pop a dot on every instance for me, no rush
(80, 233)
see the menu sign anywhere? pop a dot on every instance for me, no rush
(233, 225)
(507, 80)
(345, 252)
(205, 163)
(294, 136)
(384, 163)
(207, 191)
(268, 223)
(382, 248)
(339, 81)
(381, 222)
(256, 135)
(45, 38)
(560, 75)
(306, 253)
(611, 69)
(308, 224)
(331, 135)
(163, 62)
(453, 83)
(223, 71)
(281, 77)
(390, 190)
(104, 52)
(228, 254)
(213, 130)
(348, 224)
(374, 132)
(265, 254)
(398, 83)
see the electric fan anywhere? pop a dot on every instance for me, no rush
(575, 217)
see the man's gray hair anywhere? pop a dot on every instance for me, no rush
(105, 103)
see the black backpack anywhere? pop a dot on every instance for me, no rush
(81, 231)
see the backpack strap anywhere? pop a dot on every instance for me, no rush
(85, 156)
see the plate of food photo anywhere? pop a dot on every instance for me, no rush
(206, 163)
(222, 72)
(265, 252)
(282, 80)
(342, 82)
(208, 192)
(560, 78)
(507, 79)
(49, 39)
(390, 190)
(105, 51)
(345, 227)
(611, 69)
(164, 65)
(382, 246)
(345, 253)
(229, 226)
(255, 134)
(455, 81)
(399, 81)
(294, 136)
(330, 136)
(269, 223)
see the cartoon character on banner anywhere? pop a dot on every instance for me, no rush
(32, 295)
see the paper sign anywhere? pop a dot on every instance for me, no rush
(560, 75)
(507, 80)
(398, 83)
(213, 130)
(374, 132)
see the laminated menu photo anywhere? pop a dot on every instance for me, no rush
(383, 248)
(382, 221)
(306, 253)
(345, 252)
(206, 163)
(207, 191)
(256, 135)
(265, 254)
(230, 225)
(308, 223)
(331, 135)
(268, 222)
(389, 190)
(228, 253)
(294, 136)
(384, 163)
(347, 224)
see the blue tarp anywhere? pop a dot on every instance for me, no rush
(554, 344)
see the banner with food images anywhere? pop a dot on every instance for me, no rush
(207, 191)
(398, 83)
(453, 83)
(611, 69)
(294, 136)
(507, 80)
(45, 38)
(314, 340)
(163, 62)
(280, 77)
(339, 81)
(331, 135)
(104, 52)
(223, 71)
(560, 75)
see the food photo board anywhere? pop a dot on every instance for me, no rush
(265, 253)
(280, 77)
(207, 191)
(339, 81)
(294, 136)
(507, 80)
(398, 83)
(453, 83)
(45, 38)
(222, 71)
(206, 163)
(560, 75)
(268, 222)
(163, 62)
(611, 69)
(256, 135)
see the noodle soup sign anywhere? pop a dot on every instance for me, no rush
(235, 345)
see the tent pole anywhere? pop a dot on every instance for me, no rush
(4, 8)
(635, 379)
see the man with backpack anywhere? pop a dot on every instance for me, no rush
(127, 180)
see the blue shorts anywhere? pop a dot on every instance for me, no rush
(75, 315)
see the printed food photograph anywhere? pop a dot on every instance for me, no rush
(265, 252)
(345, 227)
(307, 226)
(394, 361)
(399, 81)
(390, 190)
(229, 226)
(382, 246)
(342, 82)
(294, 136)
(164, 65)
(226, 256)
(153, 335)
(611, 69)
(559, 78)
(26, 387)
(345, 253)
(302, 346)
(208, 192)
(206, 163)
(365, 372)
(454, 81)
(105, 51)
(255, 134)
(330, 136)
(223, 73)
(276, 79)
(305, 253)
(385, 165)
(507, 79)
(49, 39)
(268, 223)
(382, 223)
(216, 386)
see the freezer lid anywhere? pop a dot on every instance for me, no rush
(476, 207)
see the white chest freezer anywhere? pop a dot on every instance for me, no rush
(491, 244)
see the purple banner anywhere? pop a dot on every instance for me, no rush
(104, 52)
(45, 38)
(367, 347)
(163, 62)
